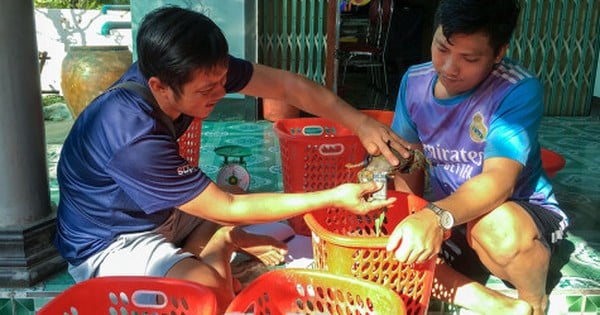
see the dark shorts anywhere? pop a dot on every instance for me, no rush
(457, 252)
(550, 224)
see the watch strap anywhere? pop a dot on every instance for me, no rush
(435, 208)
(439, 212)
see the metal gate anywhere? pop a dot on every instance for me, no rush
(560, 41)
(293, 36)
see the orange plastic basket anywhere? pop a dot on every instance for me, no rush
(314, 152)
(344, 243)
(383, 116)
(305, 291)
(189, 142)
(133, 295)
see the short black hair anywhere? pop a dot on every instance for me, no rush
(495, 18)
(173, 43)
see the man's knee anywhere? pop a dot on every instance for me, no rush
(501, 243)
(501, 249)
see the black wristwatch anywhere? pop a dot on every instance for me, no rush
(446, 218)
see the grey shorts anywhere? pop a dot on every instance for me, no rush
(150, 253)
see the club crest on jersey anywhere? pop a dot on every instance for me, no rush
(477, 130)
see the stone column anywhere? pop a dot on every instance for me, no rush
(27, 221)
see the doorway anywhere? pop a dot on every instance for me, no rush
(405, 39)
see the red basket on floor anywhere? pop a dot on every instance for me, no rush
(344, 243)
(314, 152)
(189, 142)
(305, 291)
(133, 295)
(552, 162)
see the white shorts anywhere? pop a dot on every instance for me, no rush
(150, 253)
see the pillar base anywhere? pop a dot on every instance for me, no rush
(28, 255)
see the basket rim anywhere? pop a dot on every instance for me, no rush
(322, 278)
(281, 133)
(347, 241)
(378, 242)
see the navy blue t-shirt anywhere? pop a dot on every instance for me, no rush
(120, 170)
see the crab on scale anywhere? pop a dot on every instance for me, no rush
(378, 169)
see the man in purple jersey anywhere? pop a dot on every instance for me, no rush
(131, 205)
(475, 114)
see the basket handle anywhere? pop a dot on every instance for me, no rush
(149, 299)
(331, 149)
(314, 130)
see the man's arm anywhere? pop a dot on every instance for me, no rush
(476, 197)
(234, 209)
(298, 91)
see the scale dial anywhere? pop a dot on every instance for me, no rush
(233, 174)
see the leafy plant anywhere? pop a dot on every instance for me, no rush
(75, 4)
(50, 99)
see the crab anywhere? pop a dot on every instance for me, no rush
(378, 169)
(379, 165)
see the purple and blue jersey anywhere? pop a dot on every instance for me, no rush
(498, 118)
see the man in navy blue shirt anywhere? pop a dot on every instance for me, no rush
(131, 205)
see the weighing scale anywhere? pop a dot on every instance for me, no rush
(233, 173)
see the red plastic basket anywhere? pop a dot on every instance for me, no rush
(344, 243)
(133, 295)
(189, 142)
(314, 152)
(552, 162)
(305, 291)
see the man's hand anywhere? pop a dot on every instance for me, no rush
(417, 238)
(377, 138)
(354, 198)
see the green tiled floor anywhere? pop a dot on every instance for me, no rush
(263, 165)
(577, 187)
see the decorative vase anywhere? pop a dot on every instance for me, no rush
(274, 110)
(88, 70)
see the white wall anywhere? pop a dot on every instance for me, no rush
(57, 30)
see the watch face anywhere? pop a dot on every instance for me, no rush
(446, 220)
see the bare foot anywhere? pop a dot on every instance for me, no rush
(508, 305)
(520, 307)
(513, 307)
(539, 306)
(268, 250)
(496, 303)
